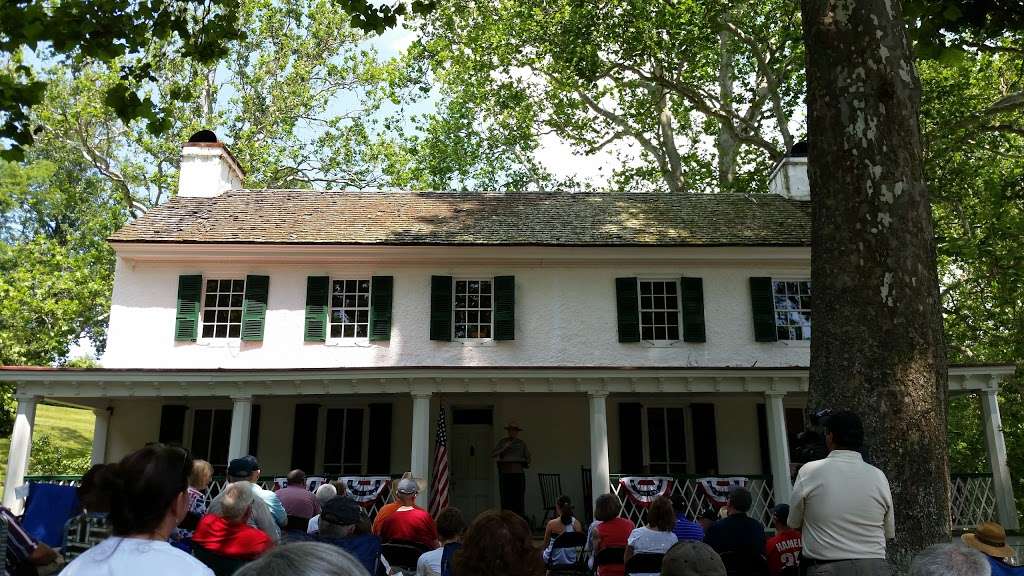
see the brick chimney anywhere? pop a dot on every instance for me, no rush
(789, 178)
(207, 167)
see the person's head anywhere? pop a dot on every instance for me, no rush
(148, 490)
(660, 515)
(244, 468)
(989, 538)
(499, 542)
(296, 478)
(236, 502)
(450, 525)
(513, 429)
(325, 492)
(338, 517)
(339, 487)
(843, 431)
(780, 515)
(740, 500)
(564, 507)
(90, 490)
(302, 559)
(607, 507)
(407, 491)
(678, 504)
(950, 559)
(692, 559)
(707, 518)
(202, 474)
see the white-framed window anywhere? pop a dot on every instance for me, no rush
(474, 309)
(659, 310)
(222, 308)
(343, 440)
(792, 309)
(665, 439)
(350, 308)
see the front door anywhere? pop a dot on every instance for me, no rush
(472, 469)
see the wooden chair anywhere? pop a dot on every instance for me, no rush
(550, 490)
(644, 563)
(575, 541)
(588, 494)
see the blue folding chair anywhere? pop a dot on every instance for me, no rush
(47, 510)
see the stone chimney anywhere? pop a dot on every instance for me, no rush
(789, 178)
(207, 167)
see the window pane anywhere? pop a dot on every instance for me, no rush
(222, 315)
(656, 434)
(350, 300)
(782, 333)
(648, 333)
(645, 288)
(485, 301)
(361, 331)
(472, 331)
(460, 316)
(350, 285)
(676, 435)
(660, 333)
(485, 316)
(235, 316)
(673, 333)
(211, 285)
(225, 286)
(236, 300)
(474, 286)
(349, 331)
(485, 287)
(336, 331)
(460, 301)
(362, 316)
(472, 316)
(485, 331)
(221, 331)
(670, 288)
(208, 331)
(209, 316)
(460, 331)
(363, 300)
(646, 302)
(211, 299)
(238, 286)
(460, 286)
(234, 330)
(364, 286)
(224, 300)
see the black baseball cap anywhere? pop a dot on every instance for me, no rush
(243, 467)
(340, 510)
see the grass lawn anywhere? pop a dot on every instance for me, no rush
(68, 427)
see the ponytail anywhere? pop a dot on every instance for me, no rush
(565, 506)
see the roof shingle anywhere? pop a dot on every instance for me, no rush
(451, 218)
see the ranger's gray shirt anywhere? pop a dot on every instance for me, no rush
(260, 518)
(512, 455)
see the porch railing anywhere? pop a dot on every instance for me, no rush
(695, 498)
(972, 500)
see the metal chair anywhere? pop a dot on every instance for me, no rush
(610, 556)
(644, 563)
(575, 541)
(550, 490)
(588, 494)
(402, 555)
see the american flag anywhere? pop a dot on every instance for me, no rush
(439, 491)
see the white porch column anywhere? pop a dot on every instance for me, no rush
(99, 435)
(21, 449)
(420, 457)
(778, 446)
(1006, 506)
(241, 414)
(599, 472)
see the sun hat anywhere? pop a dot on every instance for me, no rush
(990, 538)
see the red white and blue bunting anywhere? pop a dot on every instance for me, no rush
(642, 490)
(717, 489)
(366, 489)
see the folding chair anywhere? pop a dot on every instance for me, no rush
(644, 563)
(402, 555)
(576, 542)
(47, 511)
(611, 556)
(221, 565)
(550, 490)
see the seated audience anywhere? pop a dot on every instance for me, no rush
(341, 526)
(707, 518)
(342, 489)
(263, 517)
(92, 526)
(989, 538)
(690, 558)
(408, 523)
(324, 494)
(738, 538)
(783, 550)
(296, 498)
(498, 542)
(655, 538)
(610, 531)
(304, 559)
(386, 510)
(686, 530)
(198, 482)
(148, 495)
(450, 528)
(950, 559)
(565, 522)
(228, 533)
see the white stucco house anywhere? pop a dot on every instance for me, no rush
(628, 334)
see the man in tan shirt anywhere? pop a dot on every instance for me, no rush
(843, 507)
(513, 458)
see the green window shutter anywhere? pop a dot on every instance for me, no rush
(254, 307)
(628, 302)
(316, 308)
(504, 307)
(441, 308)
(693, 309)
(763, 304)
(186, 321)
(381, 294)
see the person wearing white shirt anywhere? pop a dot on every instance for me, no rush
(843, 506)
(450, 528)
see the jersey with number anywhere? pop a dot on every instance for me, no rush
(783, 551)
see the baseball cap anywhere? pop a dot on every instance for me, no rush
(243, 467)
(340, 510)
(408, 486)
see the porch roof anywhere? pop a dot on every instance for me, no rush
(85, 383)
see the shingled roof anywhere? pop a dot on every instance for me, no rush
(449, 218)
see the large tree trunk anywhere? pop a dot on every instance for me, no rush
(878, 347)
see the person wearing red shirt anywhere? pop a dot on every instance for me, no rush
(783, 549)
(228, 533)
(389, 509)
(409, 523)
(609, 530)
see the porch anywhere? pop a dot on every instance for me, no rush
(684, 424)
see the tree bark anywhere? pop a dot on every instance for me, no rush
(727, 143)
(878, 345)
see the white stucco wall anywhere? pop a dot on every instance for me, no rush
(565, 316)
